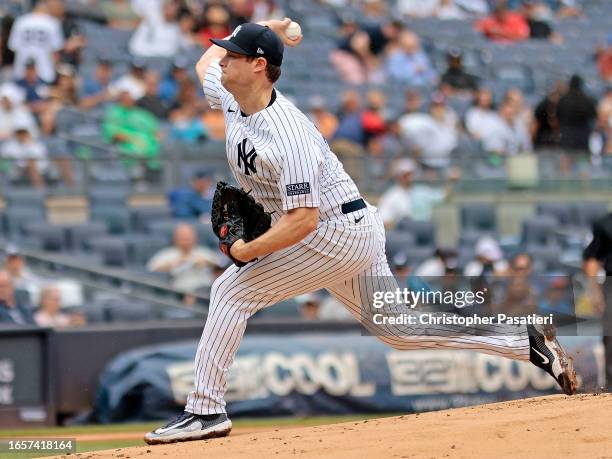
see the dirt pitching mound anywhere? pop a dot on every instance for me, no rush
(548, 427)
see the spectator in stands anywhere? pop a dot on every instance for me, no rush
(500, 135)
(63, 93)
(29, 156)
(13, 112)
(188, 26)
(170, 84)
(456, 79)
(432, 136)
(36, 90)
(134, 79)
(519, 296)
(407, 199)
(96, 90)
(7, 56)
(74, 40)
(558, 297)
(38, 36)
(49, 312)
(448, 9)
(576, 112)
(119, 14)
(547, 130)
(413, 102)
(309, 306)
(355, 62)
(504, 25)
(216, 23)
(11, 311)
(214, 120)
(407, 63)
(358, 126)
(325, 121)
(443, 261)
(523, 124)
(442, 9)
(194, 201)
(264, 10)
(481, 114)
(600, 140)
(186, 125)
(159, 34)
(22, 277)
(133, 129)
(489, 259)
(604, 61)
(189, 265)
(538, 18)
(151, 101)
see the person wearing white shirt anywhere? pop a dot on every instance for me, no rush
(499, 133)
(29, 156)
(13, 112)
(405, 199)
(37, 36)
(159, 34)
(433, 135)
(189, 265)
(480, 114)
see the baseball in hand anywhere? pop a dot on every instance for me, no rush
(294, 31)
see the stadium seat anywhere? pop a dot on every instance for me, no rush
(586, 213)
(25, 198)
(539, 231)
(478, 218)
(45, 236)
(424, 232)
(142, 247)
(112, 250)
(77, 236)
(142, 216)
(108, 196)
(117, 219)
(398, 241)
(17, 217)
(560, 211)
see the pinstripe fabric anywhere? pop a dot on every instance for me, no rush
(345, 257)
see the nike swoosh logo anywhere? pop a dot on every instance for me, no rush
(175, 426)
(545, 360)
(357, 220)
(229, 110)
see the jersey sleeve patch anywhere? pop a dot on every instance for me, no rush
(295, 189)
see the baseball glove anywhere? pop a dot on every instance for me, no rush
(236, 215)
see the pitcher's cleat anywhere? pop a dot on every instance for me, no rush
(188, 426)
(547, 353)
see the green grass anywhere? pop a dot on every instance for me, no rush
(141, 428)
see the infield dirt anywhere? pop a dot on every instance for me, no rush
(547, 427)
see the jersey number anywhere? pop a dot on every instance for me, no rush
(246, 159)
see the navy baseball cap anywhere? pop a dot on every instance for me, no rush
(254, 40)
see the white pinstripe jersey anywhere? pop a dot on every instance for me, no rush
(280, 155)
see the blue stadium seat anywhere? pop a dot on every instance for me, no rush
(424, 232)
(17, 217)
(45, 236)
(539, 231)
(117, 219)
(143, 215)
(77, 236)
(560, 211)
(25, 198)
(112, 250)
(478, 218)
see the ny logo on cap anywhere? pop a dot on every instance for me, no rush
(259, 51)
(236, 30)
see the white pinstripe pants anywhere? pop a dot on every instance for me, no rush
(342, 257)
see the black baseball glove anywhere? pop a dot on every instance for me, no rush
(236, 215)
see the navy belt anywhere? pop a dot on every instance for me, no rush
(353, 206)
